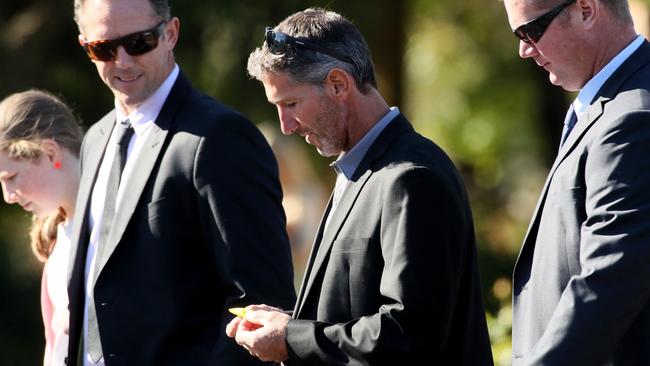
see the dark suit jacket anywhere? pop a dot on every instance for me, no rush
(582, 280)
(394, 280)
(200, 229)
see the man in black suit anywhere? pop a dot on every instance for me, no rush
(582, 280)
(392, 277)
(194, 224)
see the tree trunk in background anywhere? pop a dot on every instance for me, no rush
(382, 24)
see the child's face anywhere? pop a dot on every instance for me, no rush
(30, 183)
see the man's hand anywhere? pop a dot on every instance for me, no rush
(262, 332)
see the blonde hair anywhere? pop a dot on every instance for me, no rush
(26, 119)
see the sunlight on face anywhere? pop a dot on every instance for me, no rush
(305, 110)
(132, 79)
(30, 183)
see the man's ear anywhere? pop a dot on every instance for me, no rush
(338, 83)
(589, 12)
(172, 30)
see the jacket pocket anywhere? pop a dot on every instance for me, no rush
(350, 245)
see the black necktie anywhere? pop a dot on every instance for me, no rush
(569, 121)
(124, 133)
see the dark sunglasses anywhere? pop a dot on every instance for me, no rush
(134, 44)
(279, 43)
(532, 31)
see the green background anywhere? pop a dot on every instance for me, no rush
(450, 65)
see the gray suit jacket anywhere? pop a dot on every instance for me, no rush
(199, 229)
(394, 278)
(582, 280)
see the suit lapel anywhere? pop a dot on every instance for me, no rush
(93, 150)
(134, 185)
(329, 235)
(585, 121)
(608, 91)
(325, 238)
(146, 160)
(90, 169)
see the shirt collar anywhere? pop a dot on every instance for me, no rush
(589, 91)
(148, 111)
(348, 163)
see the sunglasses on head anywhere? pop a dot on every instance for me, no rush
(279, 43)
(532, 31)
(134, 44)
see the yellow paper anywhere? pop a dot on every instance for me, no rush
(240, 312)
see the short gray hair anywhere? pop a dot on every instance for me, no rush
(619, 8)
(160, 7)
(328, 30)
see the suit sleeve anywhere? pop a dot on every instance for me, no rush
(419, 283)
(240, 208)
(601, 304)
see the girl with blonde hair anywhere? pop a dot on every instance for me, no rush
(40, 140)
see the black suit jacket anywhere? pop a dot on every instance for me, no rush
(394, 278)
(200, 229)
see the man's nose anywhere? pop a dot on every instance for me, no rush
(527, 50)
(288, 123)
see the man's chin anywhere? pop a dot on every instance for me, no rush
(128, 101)
(554, 79)
(563, 84)
(322, 153)
(326, 153)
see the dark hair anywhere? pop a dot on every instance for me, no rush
(326, 29)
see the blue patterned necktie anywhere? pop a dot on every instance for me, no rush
(569, 121)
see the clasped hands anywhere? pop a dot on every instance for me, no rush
(262, 332)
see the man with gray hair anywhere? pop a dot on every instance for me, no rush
(393, 276)
(179, 213)
(582, 280)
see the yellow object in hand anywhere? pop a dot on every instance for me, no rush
(240, 312)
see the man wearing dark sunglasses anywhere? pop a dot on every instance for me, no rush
(581, 288)
(179, 206)
(392, 278)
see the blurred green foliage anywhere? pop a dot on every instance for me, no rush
(450, 65)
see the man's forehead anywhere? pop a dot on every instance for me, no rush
(104, 19)
(520, 11)
(279, 83)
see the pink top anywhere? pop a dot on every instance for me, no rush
(54, 300)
